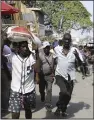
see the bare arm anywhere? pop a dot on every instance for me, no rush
(37, 67)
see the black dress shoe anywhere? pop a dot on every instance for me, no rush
(42, 98)
(64, 114)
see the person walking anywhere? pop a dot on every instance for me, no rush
(22, 85)
(87, 55)
(7, 52)
(65, 72)
(46, 61)
(5, 77)
(83, 68)
(91, 61)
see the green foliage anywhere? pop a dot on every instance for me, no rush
(75, 14)
(47, 38)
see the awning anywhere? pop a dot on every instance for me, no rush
(8, 9)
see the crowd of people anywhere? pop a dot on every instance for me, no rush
(24, 69)
(87, 57)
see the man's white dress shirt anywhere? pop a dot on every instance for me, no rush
(66, 64)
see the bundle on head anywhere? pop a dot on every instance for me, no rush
(18, 34)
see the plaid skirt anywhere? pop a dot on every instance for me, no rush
(17, 101)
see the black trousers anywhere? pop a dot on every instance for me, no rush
(66, 88)
(42, 84)
(5, 88)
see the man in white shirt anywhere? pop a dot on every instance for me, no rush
(65, 72)
(22, 84)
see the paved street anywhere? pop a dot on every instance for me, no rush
(81, 104)
(44, 36)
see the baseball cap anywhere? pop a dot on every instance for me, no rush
(45, 44)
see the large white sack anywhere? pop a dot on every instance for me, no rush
(19, 34)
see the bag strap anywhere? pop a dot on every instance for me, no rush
(49, 64)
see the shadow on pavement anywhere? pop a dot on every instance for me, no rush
(71, 110)
(4, 113)
(75, 107)
(40, 105)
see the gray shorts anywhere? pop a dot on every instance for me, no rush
(18, 100)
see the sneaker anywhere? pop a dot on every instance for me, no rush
(64, 114)
(57, 112)
(48, 107)
(83, 77)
